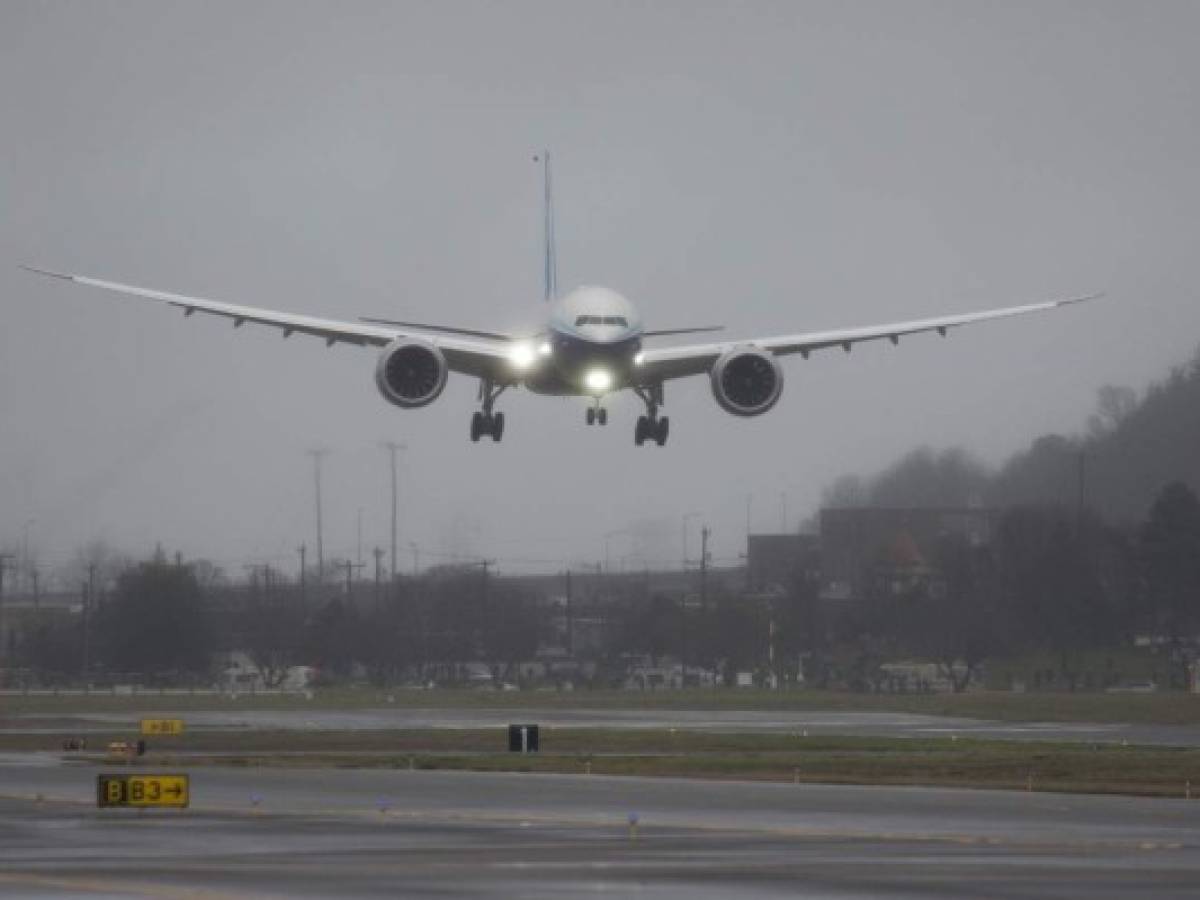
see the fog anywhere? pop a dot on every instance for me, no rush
(772, 167)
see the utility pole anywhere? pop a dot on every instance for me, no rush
(608, 536)
(704, 533)
(303, 551)
(570, 620)
(350, 567)
(25, 566)
(358, 537)
(317, 456)
(484, 566)
(4, 558)
(88, 600)
(1079, 495)
(392, 447)
(257, 570)
(378, 552)
(33, 574)
(687, 517)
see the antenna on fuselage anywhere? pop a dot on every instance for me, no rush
(551, 273)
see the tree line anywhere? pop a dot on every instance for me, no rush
(1098, 542)
(1132, 445)
(1050, 581)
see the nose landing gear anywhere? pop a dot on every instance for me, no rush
(597, 415)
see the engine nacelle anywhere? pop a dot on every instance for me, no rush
(746, 381)
(411, 372)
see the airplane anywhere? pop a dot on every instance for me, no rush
(593, 344)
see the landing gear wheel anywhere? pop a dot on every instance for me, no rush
(662, 430)
(485, 422)
(602, 416)
(650, 427)
(591, 415)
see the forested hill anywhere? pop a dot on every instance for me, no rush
(1132, 447)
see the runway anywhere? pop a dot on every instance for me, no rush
(374, 833)
(879, 724)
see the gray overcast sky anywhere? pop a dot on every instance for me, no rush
(775, 167)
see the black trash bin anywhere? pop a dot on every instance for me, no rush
(522, 739)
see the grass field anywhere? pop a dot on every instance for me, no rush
(1158, 708)
(1017, 765)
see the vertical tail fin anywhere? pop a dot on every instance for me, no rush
(551, 273)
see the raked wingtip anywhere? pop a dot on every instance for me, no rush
(35, 270)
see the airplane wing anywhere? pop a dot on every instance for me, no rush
(662, 364)
(482, 358)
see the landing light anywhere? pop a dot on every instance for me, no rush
(521, 356)
(639, 358)
(598, 380)
(545, 349)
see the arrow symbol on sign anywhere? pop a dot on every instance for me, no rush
(176, 791)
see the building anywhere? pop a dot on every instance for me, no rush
(775, 562)
(893, 549)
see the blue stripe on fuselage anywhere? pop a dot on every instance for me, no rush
(573, 356)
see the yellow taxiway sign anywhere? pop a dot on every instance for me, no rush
(142, 790)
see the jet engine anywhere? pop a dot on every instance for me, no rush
(746, 381)
(411, 372)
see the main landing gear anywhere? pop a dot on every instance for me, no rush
(486, 423)
(651, 427)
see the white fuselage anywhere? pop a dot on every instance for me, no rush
(592, 337)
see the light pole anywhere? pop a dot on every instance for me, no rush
(317, 456)
(392, 447)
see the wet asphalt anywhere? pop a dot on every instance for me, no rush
(360, 833)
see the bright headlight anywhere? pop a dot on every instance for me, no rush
(521, 356)
(598, 380)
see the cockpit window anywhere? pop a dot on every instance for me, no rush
(601, 320)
